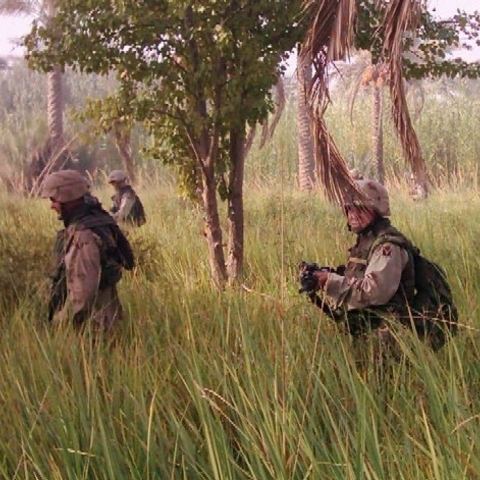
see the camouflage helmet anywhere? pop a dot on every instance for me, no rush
(65, 186)
(374, 193)
(117, 176)
(376, 196)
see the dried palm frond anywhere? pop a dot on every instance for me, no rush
(328, 39)
(279, 107)
(332, 169)
(331, 28)
(249, 139)
(400, 17)
(268, 128)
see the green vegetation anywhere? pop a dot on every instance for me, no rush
(253, 383)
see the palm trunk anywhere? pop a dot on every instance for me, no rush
(235, 206)
(377, 140)
(55, 115)
(124, 146)
(306, 159)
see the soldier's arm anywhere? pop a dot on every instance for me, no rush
(379, 284)
(125, 208)
(83, 273)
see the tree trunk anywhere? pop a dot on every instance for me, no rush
(123, 137)
(55, 115)
(420, 190)
(306, 159)
(235, 206)
(213, 230)
(377, 138)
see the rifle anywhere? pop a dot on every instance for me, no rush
(357, 321)
(308, 280)
(309, 285)
(58, 290)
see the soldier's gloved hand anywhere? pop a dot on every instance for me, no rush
(322, 277)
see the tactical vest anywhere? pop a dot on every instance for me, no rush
(137, 213)
(361, 253)
(115, 250)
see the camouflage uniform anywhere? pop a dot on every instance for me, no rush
(80, 251)
(127, 207)
(386, 282)
(378, 281)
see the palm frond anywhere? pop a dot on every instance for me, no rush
(268, 128)
(328, 39)
(332, 169)
(249, 140)
(280, 100)
(400, 17)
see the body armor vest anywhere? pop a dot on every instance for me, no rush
(137, 213)
(360, 254)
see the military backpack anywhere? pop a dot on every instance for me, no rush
(433, 309)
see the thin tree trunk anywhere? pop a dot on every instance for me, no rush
(235, 206)
(377, 140)
(306, 159)
(124, 146)
(55, 114)
(213, 230)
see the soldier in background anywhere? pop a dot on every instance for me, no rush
(90, 253)
(127, 207)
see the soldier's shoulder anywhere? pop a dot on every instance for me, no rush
(130, 193)
(86, 236)
(389, 246)
(389, 249)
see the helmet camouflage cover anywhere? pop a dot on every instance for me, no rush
(375, 195)
(65, 186)
(117, 176)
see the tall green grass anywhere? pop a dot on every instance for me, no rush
(252, 383)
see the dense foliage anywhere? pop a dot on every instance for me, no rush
(188, 71)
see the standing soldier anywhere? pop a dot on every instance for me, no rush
(90, 253)
(127, 207)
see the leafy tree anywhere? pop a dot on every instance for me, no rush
(107, 115)
(195, 74)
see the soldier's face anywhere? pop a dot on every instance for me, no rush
(359, 218)
(57, 206)
(115, 185)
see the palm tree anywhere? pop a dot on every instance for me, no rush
(42, 11)
(330, 38)
(374, 76)
(306, 159)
